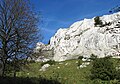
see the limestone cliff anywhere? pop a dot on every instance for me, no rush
(83, 38)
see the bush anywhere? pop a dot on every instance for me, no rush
(93, 57)
(97, 81)
(98, 22)
(51, 62)
(31, 61)
(79, 63)
(114, 82)
(80, 57)
(117, 74)
(103, 69)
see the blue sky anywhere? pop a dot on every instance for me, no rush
(57, 14)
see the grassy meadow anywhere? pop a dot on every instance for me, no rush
(66, 72)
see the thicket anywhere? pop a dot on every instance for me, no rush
(104, 69)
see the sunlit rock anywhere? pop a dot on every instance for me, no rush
(83, 38)
(44, 67)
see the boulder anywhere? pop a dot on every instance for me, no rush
(44, 67)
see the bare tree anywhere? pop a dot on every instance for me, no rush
(18, 31)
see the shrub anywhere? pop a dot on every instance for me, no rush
(31, 61)
(117, 74)
(93, 57)
(114, 82)
(80, 57)
(98, 22)
(49, 42)
(97, 81)
(103, 69)
(79, 63)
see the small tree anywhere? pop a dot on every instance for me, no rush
(79, 63)
(93, 57)
(80, 57)
(98, 22)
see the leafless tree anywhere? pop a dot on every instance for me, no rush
(18, 31)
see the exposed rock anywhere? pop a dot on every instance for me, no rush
(44, 67)
(43, 52)
(42, 59)
(66, 64)
(58, 67)
(60, 63)
(39, 47)
(28, 73)
(85, 59)
(83, 39)
(76, 62)
(84, 64)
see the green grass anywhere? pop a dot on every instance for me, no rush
(66, 74)
(30, 70)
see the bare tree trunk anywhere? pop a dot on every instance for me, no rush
(4, 57)
(14, 66)
(3, 69)
(14, 73)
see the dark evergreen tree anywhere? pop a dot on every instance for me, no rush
(98, 22)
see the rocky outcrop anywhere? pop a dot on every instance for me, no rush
(83, 38)
(43, 52)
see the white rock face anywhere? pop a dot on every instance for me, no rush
(83, 39)
(41, 46)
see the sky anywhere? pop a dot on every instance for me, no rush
(55, 14)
